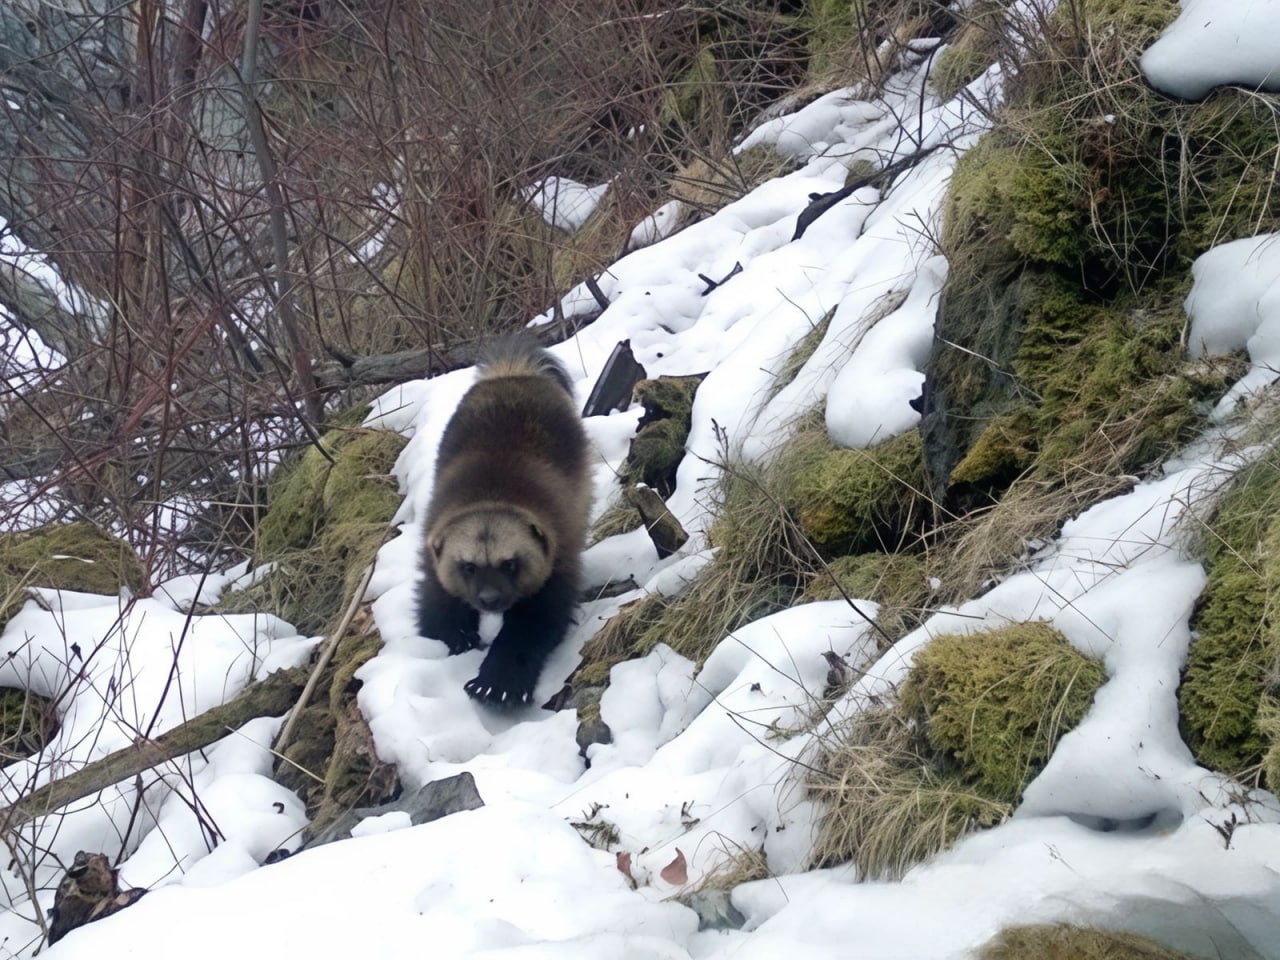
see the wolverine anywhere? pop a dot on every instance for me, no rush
(505, 527)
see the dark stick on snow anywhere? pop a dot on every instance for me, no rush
(593, 286)
(820, 203)
(712, 284)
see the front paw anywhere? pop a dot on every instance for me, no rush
(460, 641)
(501, 688)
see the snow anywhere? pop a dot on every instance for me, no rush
(1212, 43)
(564, 203)
(1234, 304)
(658, 225)
(1120, 828)
(120, 668)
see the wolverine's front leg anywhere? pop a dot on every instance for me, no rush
(531, 629)
(444, 617)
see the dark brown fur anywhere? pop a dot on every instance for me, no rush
(507, 519)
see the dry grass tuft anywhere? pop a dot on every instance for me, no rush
(976, 719)
(889, 804)
(706, 184)
(1061, 941)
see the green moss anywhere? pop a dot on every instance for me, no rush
(658, 446)
(352, 482)
(971, 50)
(694, 95)
(1017, 201)
(1269, 727)
(326, 518)
(1070, 229)
(832, 38)
(1225, 690)
(851, 501)
(1119, 373)
(1004, 449)
(896, 581)
(997, 702)
(78, 556)
(1091, 168)
(1060, 941)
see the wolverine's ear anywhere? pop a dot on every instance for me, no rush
(539, 536)
(436, 544)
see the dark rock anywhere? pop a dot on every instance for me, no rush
(431, 801)
(591, 728)
(969, 376)
(715, 910)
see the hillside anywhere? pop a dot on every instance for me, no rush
(962, 387)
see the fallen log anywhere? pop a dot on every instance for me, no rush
(269, 697)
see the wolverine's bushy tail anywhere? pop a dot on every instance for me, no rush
(520, 355)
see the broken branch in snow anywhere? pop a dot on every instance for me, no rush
(269, 697)
(663, 529)
(345, 371)
(820, 203)
(713, 284)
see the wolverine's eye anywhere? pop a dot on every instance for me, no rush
(510, 567)
(468, 568)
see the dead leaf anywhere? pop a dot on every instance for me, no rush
(676, 872)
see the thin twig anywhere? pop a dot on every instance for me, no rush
(357, 597)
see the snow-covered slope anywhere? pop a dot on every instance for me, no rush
(1119, 829)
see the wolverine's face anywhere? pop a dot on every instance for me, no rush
(491, 558)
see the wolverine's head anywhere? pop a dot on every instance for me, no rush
(491, 556)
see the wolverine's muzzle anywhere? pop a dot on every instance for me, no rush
(490, 600)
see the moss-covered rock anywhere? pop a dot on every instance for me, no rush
(658, 446)
(773, 524)
(1061, 941)
(997, 702)
(349, 481)
(976, 719)
(852, 501)
(1003, 450)
(1070, 229)
(1227, 695)
(331, 760)
(78, 556)
(327, 514)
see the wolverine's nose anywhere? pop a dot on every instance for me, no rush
(490, 600)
